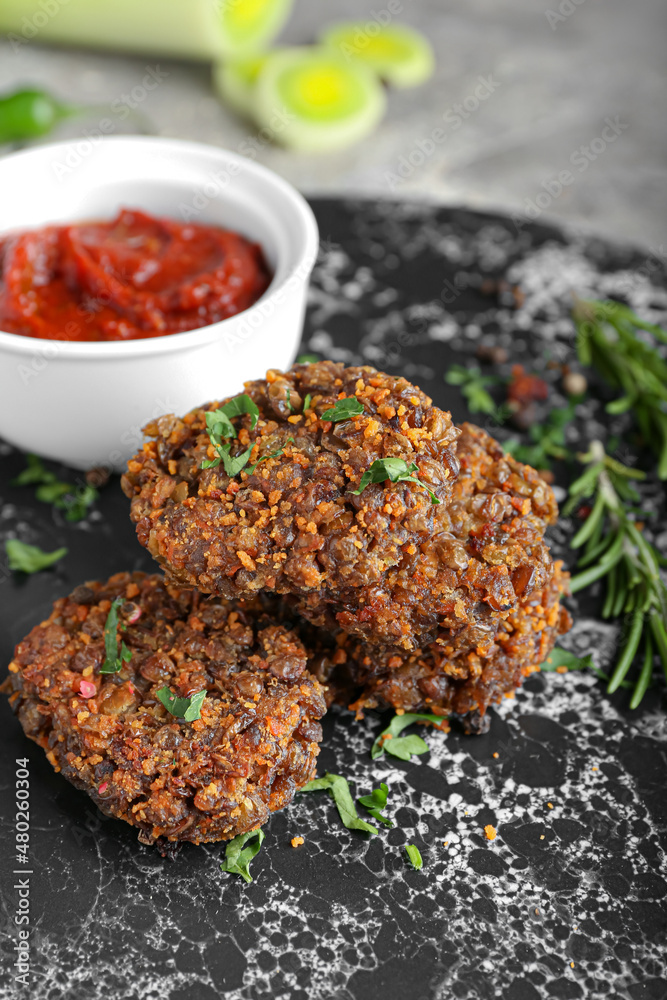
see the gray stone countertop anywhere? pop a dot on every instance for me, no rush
(524, 94)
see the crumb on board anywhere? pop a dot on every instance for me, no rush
(490, 832)
(297, 841)
(550, 805)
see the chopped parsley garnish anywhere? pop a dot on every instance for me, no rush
(376, 801)
(34, 473)
(238, 856)
(339, 790)
(344, 409)
(232, 464)
(219, 426)
(308, 359)
(239, 405)
(563, 659)
(274, 454)
(113, 659)
(188, 709)
(29, 558)
(473, 387)
(548, 439)
(414, 857)
(74, 500)
(288, 400)
(307, 401)
(403, 747)
(394, 469)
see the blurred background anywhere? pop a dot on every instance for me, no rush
(520, 93)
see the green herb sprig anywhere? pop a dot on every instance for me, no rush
(404, 747)
(607, 339)
(240, 851)
(614, 549)
(188, 709)
(113, 658)
(73, 500)
(548, 440)
(344, 409)
(473, 387)
(414, 856)
(396, 471)
(219, 426)
(26, 558)
(375, 802)
(339, 790)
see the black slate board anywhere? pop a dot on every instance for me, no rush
(568, 901)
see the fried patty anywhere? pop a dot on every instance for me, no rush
(440, 678)
(388, 565)
(293, 526)
(254, 746)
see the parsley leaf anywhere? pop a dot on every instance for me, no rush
(34, 474)
(74, 500)
(562, 658)
(307, 401)
(473, 387)
(188, 709)
(219, 426)
(288, 400)
(376, 801)
(75, 503)
(308, 359)
(274, 454)
(405, 746)
(548, 439)
(239, 405)
(414, 856)
(396, 471)
(344, 409)
(113, 660)
(339, 790)
(238, 856)
(29, 558)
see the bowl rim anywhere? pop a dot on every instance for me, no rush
(89, 350)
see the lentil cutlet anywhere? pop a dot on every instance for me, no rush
(440, 679)
(254, 746)
(387, 564)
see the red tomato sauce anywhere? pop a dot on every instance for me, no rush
(128, 279)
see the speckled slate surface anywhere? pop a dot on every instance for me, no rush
(566, 902)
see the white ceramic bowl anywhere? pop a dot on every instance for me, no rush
(85, 403)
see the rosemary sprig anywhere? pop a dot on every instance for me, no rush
(614, 549)
(607, 339)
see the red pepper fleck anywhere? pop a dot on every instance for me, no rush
(103, 787)
(524, 388)
(87, 689)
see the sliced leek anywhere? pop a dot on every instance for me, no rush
(312, 99)
(190, 29)
(400, 55)
(235, 83)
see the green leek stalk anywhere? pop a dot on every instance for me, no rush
(189, 29)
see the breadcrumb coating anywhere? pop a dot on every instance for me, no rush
(254, 746)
